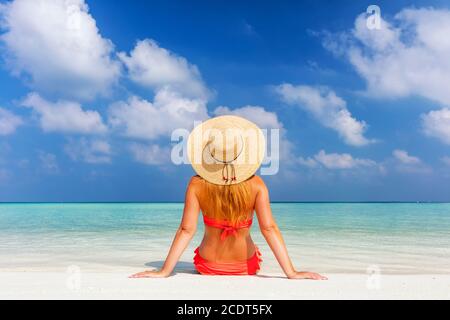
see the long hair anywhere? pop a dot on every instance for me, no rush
(231, 203)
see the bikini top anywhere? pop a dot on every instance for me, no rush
(227, 228)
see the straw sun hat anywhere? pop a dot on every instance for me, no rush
(226, 150)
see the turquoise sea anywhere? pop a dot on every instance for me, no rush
(398, 238)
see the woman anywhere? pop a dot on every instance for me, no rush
(226, 152)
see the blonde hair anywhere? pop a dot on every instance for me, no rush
(231, 203)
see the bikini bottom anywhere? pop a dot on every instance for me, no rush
(239, 268)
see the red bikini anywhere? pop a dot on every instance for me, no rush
(247, 267)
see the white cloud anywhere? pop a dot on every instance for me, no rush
(407, 56)
(385, 38)
(437, 124)
(157, 68)
(405, 158)
(150, 154)
(307, 162)
(8, 122)
(263, 118)
(57, 45)
(65, 116)
(180, 96)
(404, 162)
(342, 161)
(329, 109)
(139, 118)
(91, 151)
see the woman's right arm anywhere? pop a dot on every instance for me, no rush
(273, 236)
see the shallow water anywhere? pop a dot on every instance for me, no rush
(406, 238)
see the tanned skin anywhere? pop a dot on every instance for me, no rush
(212, 249)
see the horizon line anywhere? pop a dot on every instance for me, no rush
(181, 202)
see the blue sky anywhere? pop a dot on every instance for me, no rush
(91, 90)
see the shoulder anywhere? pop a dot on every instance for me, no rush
(258, 183)
(193, 189)
(195, 182)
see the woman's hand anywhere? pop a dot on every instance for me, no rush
(307, 276)
(151, 274)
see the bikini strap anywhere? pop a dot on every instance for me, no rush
(226, 227)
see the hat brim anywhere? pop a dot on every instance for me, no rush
(245, 166)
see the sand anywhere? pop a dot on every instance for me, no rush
(73, 284)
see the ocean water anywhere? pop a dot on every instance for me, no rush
(392, 238)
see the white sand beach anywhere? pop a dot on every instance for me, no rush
(41, 285)
(368, 251)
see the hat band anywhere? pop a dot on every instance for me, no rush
(229, 161)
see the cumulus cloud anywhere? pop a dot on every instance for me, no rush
(9, 122)
(65, 116)
(327, 108)
(180, 100)
(436, 124)
(93, 151)
(57, 46)
(341, 161)
(407, 56)
(180, 94)
(150, 154)
(405, 158)
(404, 162)
(142, 119)
(307, 162)
(157, 68)
(263, 118)
(335, 161)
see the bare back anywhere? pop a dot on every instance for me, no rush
(231, 249)
(240, 248)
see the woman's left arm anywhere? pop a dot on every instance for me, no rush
(183, 236)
